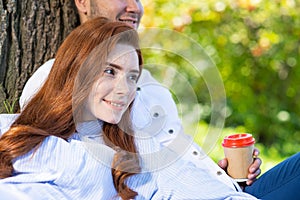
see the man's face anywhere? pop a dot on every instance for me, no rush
(129, 11)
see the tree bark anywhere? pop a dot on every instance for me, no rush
(31, 32)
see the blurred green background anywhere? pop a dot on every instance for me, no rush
(255, 45)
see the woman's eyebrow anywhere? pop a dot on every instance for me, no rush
(114, 65)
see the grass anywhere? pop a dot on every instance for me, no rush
(10, 106)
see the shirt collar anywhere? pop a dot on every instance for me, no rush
(90, 129)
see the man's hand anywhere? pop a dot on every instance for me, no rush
(254, 169)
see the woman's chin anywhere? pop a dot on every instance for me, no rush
(112, 120)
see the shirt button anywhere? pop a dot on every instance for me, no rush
(138, 89)
(171, 131)
(195, 153)
(155, 115)
(219, 173)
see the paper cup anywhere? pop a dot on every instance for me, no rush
(238, 150)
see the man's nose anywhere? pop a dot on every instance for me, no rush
(134, 6)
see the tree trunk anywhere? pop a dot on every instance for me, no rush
(31, 32)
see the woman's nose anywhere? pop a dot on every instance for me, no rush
(122, 86)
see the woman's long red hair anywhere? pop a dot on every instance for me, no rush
(58, 104)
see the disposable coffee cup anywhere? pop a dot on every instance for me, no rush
(238, 149)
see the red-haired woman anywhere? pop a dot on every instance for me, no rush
(94, 76)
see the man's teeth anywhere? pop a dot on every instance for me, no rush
(128, 21)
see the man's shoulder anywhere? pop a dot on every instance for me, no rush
(35, 82)
(42, 72)
(46, 66)
(6, 121)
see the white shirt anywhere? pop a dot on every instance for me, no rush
(154, 112)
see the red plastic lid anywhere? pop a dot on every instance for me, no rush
(238, 140)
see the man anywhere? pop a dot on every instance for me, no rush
(153, 102)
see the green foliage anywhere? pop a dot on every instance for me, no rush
(256, 48)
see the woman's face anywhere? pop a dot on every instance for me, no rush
(115, 88)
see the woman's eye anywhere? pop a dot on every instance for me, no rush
(109, 71)
(133, 78)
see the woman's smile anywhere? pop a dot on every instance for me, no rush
(115, 105)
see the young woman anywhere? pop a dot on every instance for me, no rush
(94, 77)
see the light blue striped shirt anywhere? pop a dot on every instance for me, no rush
(80, 168)
(155, 116)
